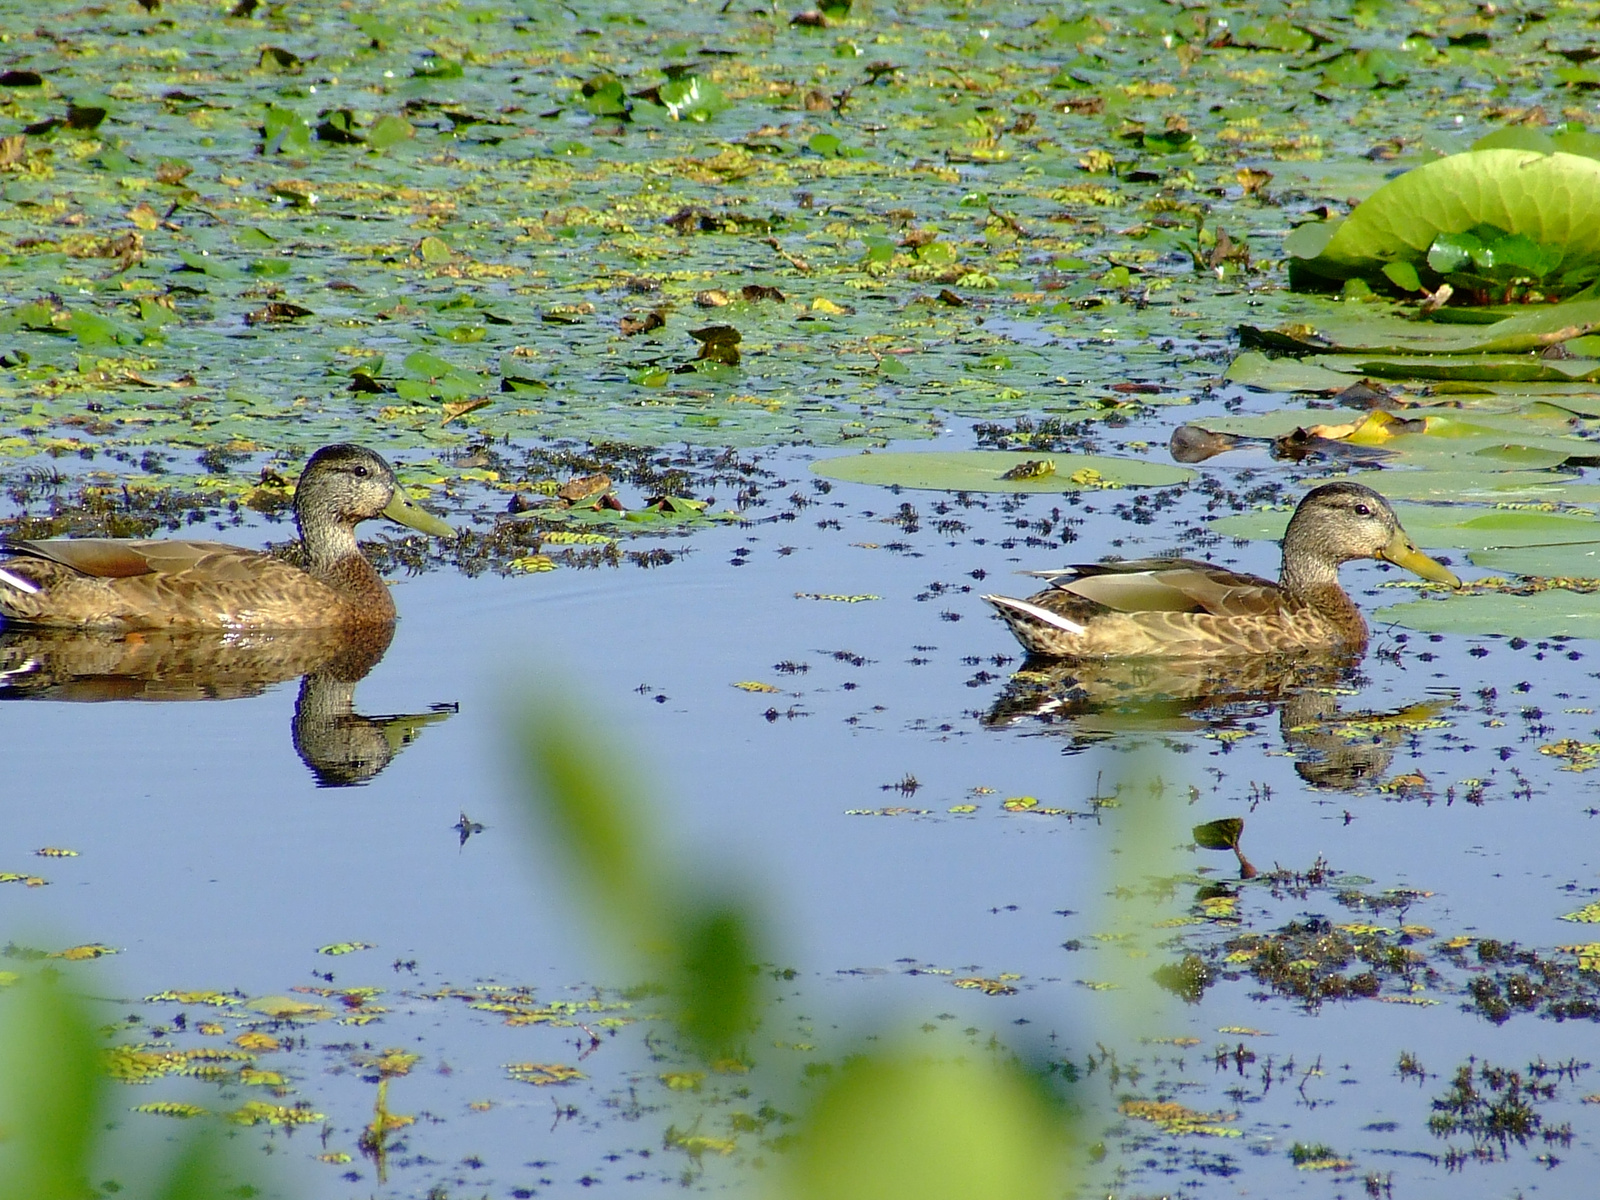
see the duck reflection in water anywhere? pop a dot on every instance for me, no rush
(1335, 748)
(339, 745)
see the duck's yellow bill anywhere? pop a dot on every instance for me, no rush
(401, 509)
(1402, 552)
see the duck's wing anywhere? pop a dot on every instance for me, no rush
(125, 558)
(1170, 585)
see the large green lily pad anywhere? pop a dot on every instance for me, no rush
(1565, 561)
(1455, 485)
(1461, 527)
(983, 471)
(1376, 333)
(1555, 613)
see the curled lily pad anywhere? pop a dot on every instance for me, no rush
(1222, 834)
(1553, 200)
(987, 471)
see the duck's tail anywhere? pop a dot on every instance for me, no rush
(1038, 629)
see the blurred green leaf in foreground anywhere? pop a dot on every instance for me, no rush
(55, 1132)
(904, 1121)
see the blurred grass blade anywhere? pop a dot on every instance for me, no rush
(897, 1126)
(51, 1091)
(703, 949)
(592, 804)
(718, 985)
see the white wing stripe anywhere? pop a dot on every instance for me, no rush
(18, 582)
(1038, 614)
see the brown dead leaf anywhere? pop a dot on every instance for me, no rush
(460, 408)
(583, 487)
(632, 326)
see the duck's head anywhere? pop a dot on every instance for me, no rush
(1340, 521)
(342, 485)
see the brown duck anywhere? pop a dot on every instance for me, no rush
(1182, 608)
(115, 583)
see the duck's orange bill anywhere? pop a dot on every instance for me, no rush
(1402, 552)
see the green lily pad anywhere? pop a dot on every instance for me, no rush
(984, 471)
(1568, 561)
(1455, 485)
(1253, 369)
(1556, 613)
(1376, 333)
(1460, 527)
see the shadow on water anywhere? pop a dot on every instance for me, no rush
(1334, 748)
(339, 745)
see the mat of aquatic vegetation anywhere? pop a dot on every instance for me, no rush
(271, 225)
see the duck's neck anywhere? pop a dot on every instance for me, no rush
(334, 557)
(1313, 581)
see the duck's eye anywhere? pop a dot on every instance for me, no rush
(1363, 510)
(360, 472)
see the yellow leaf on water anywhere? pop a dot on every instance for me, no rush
(543, 1074)
(254, 1040)
(823, 305)
(259, 1112)
(751, 685)
(1179, 1119)
(989, 987)
(1588, 955)
(684, 1081)
(287, 1008)
(338, 948)
(1589, 914)
(170, 1108)
(79, 953)
(215, 999)
(460, 408)
(55, 852)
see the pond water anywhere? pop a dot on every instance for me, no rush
(708, 244)
(210, 859)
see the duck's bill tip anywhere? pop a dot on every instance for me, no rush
(1402, 553)
(414, 516)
